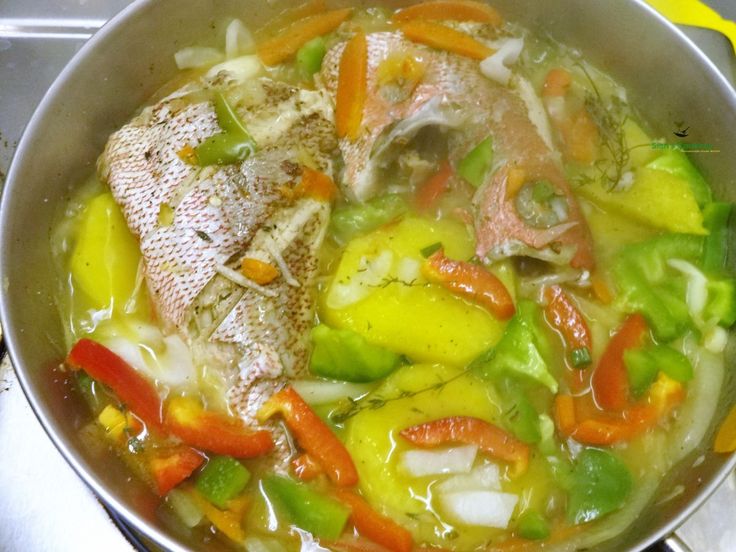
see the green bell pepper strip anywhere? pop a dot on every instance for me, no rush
(306, 508)
(354, 220)
(233, 144)
(533, 526)
(721, 303)
(677, 164)
(520, 416)
(646, 284)
(641, 369)
(521, 351)
(345, 355)
(309, 57)
(715, 220)
(600, 483)
(476, 164)
(222, 479)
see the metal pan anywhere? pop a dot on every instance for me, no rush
(128, 59)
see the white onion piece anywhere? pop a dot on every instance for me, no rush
(241, 68)
(323, 392)
(184, 507)
(197, 56)
(419, 463)
(480, 508)
(372, 271)
(486, 477)
(238, 39)
(495, 67)
(715, 339)
(259, 544)
(697, 287)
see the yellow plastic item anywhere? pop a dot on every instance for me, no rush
(373, 440)
(656, 198)
(423, 321)
(726, 437)
(105, 260)
(697, 14)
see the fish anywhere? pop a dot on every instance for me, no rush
(453, 94)
(194, 225)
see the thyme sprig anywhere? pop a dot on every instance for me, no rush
(355, 407)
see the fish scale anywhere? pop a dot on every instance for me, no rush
(456, 85)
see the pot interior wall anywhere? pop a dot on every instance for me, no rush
(125, 64)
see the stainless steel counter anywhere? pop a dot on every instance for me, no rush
(43, 505)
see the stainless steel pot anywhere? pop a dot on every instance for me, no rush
(125, 62)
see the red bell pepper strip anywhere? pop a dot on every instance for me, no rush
(173, 467)
(313, 435)
(471, 281)
(372, 525)
(608, 428)
(565, 317)
(133, 390)
(471, 431)
(610, 381)
(431, 191)
(214, 432)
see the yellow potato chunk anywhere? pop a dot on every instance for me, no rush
(656, 198)
(378, 291)
(105, 259)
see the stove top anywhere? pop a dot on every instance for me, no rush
(42, 497)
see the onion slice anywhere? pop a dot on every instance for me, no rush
(480, 508)
(197, 56)
(419, 463)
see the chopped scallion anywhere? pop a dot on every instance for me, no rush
(580, 357)
(431, 250)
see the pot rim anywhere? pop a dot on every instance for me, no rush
(71, 455)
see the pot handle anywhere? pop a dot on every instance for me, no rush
(673, 543)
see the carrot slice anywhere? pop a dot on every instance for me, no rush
(313, 435)
(610, 380)
(317, 185)
(557, 83)
(432, 189)
(374, 526)
(352, 87)
(565, 414)
(258, 271)
(470, 281)
(171, 467)
(283, 46)
(457, 10)
(471, 431)
(442, 37)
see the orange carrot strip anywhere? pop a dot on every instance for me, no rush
(442, 37)
(610, 380)
(471, 431)
(281, 47)
(289, 16)
(374, 526)
(565, 317)
(471, 281)
(432, 190)
(457, 10)
(601, 289)
(313, 435)
(565, 414)
(317, 185)
(557, 83)
(258, 271)
(352, 87)
(229, 522)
